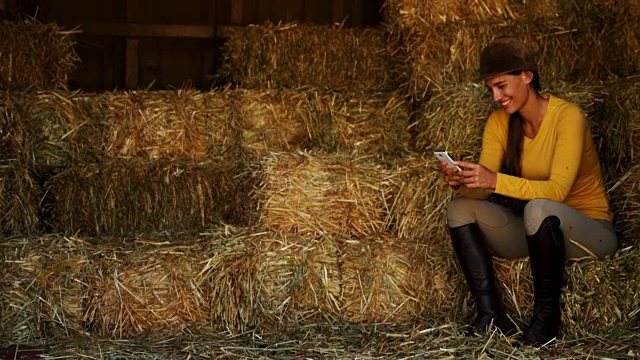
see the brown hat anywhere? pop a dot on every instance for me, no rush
(503, 56)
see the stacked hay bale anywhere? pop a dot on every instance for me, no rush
(442, 40)
(35, 57)
(323, 156)
(169, 162)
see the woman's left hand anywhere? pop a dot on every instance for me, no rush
(477, 176)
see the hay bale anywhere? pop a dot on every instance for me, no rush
(375, 125)
(144, 286)
(329, 57)
(126, 197)
(49, 129)
(175, 124)
(230, 274)
(384, 279)
(411, 15)
(600, 295)
(20, 197)
(299, 281)
(625, 203)
(43, 288)
(275, 120)
(320, 194)
(288, 120)
(618, 125)
(449, 53)
(418, 211)
(35, 56)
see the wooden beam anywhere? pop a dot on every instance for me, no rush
(132, 64)
(338, 11)
(237, 9)
(149, 30)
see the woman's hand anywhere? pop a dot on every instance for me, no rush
(476, 176)
(451, 175)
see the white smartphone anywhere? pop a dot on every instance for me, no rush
(444, 156)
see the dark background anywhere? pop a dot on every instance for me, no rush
(160, 44)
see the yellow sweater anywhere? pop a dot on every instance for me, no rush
(559, 164)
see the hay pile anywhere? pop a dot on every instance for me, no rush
(49, 129)
(35, 55)
(127, 196)
(180, 124)
(321, 56)
(312, 194)
(20, 198)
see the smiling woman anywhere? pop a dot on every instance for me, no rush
(537, 151)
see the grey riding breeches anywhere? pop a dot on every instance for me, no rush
(505, 233)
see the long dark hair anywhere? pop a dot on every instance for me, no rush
(515, 138)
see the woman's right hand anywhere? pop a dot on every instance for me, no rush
(451, 175)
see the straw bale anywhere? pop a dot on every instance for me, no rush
(410, 15)
(299, 281)
(335, 194)
(145, 286)
(127, 196)
(625, 203)
(418, 211)
(43, 288)
(291, 55)
(453, 119)
(618, 125)
(274, 120)
(287, 120)
(35, 55)
(20, 196)
(387, 280)
(180, 124)
(600, 295)
(230, 273)
(450, 52)
(376, 124)
(49, 129)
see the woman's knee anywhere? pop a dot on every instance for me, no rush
(535, 212)
(461, 211)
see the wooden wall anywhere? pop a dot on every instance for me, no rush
(159, 44)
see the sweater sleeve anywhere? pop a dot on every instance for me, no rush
(494, 142)
(570, 128)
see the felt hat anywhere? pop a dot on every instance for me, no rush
(505, 55)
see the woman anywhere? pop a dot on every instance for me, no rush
(538, 151)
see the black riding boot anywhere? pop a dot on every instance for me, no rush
(547, 258)
(477, 266)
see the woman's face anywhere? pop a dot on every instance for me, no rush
(509, 90)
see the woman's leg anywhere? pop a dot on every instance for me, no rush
(583, 236)
(556, 232)
(503, 231)
(472, 252)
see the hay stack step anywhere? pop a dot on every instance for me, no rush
(233, 279)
